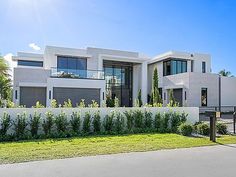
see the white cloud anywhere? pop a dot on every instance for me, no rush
(34, 46)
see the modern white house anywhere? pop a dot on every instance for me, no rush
(89, 74)
(96, 74)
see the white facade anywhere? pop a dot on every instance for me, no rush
(187, 79)
(42, 77)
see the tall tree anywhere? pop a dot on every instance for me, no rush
(3, 67)
(5, 82)
(225, 73)
(155, 96)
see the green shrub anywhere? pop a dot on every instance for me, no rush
(203, 129)
(38, 105)
(34, 124)
(82, 104)
(158, 122)
(97, 122)
(67, 104)
(5, 124)
(94, 104)
(87, 123)
(61, 122)
(48, 123)
(129, 120)
(19, 126)
(165, 123)
(148, 120)
(221, 128)
(119, 123)
(183, 117)
(176, 120)
(75, 122)
(108, 122)
(138, 120)
(185, 129)
(110, 102)
(54, 103)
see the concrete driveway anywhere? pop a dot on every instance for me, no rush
(193, 162)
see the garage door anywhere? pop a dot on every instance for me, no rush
(76, 94)
(30, 95)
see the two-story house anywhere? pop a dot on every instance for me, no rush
(95, 74)
(68, 73)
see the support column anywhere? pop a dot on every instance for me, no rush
(144, 82)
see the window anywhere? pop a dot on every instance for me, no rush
(71, 63)
(30, 63)
(185, 95)
(204, 97)
(173, 66)
(203, 67)
(192, 65)
(16, 94)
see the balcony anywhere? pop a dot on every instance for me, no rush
(77, 74)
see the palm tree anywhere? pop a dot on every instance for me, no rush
(225, 73)
(3, 67)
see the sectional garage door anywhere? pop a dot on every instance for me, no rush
(76, 94)
(30, 95)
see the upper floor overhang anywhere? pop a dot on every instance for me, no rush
(179, 55)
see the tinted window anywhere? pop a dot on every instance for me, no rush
(30, 63)
(174, 66)
(203, 67)
(204, 97)
(72, 63)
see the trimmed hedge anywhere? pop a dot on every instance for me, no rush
(62, 125)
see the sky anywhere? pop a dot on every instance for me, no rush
(150, 27)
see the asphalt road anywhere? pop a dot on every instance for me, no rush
(193, 162)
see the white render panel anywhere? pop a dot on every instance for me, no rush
(228, 91)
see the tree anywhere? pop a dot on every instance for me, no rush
(155, 96)
(225, 73)
(140, 98)
(3, 67)
(5, 81)
(172, 101)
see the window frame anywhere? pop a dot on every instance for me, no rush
(78, 62)
(206, 90)
(203, 67)
(27, 63)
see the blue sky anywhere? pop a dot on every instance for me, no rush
(148, 26)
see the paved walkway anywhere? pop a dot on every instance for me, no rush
(212, 161)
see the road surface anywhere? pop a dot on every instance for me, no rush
(211, 161)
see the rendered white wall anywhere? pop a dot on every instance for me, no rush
(228, 91)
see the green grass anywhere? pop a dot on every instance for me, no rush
(12, 152)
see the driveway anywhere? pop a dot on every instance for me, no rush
(193, 162)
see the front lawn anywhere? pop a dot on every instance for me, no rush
(12, 152)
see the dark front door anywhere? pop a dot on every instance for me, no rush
(178, 95)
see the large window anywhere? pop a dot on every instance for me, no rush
(204, 96)
(30, 63)
(71, 63)
(174, 66)
(118, 76)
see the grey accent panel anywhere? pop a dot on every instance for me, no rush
(178, 95)
(30, 95)
(76, 94)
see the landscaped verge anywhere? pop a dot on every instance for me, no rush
(22, 151)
